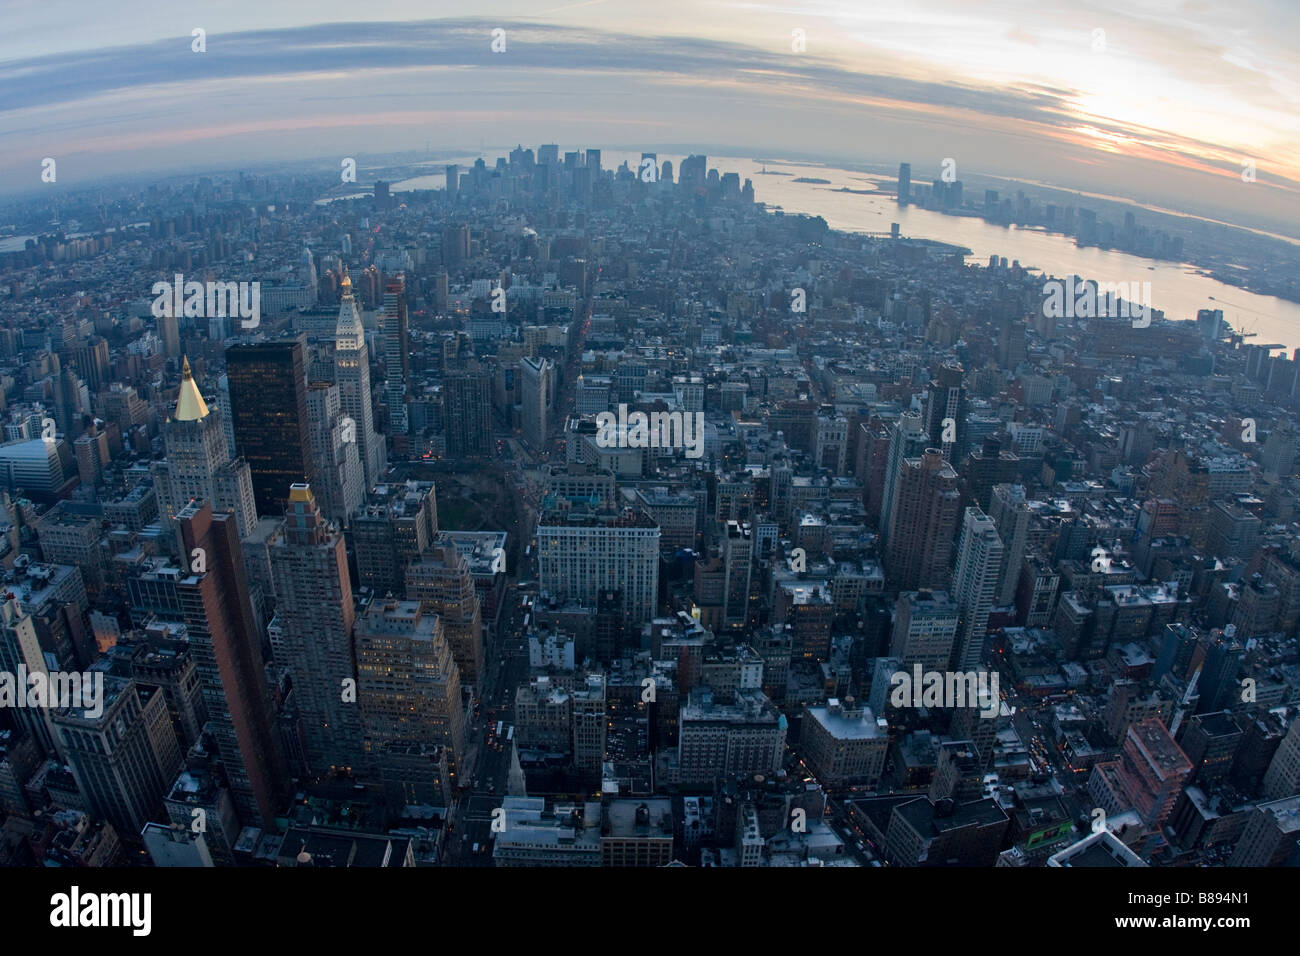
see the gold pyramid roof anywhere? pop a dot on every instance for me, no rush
(190, 406)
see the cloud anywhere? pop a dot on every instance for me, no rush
(264, 94)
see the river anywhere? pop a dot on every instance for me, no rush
(1176, 288)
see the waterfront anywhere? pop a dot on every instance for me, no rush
(1176, 288)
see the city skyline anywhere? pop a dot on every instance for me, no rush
(810, 436)
(1156, 109)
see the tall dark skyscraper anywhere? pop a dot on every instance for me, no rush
(467, 396)
(904, 183)
(693, 171)
(397, 356)
(268, 402)
(1218, 685)
(609, 624)
(455, 244)
(315, 615)
(945, 401)
(228, 652)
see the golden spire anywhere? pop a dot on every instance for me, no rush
(190, 406)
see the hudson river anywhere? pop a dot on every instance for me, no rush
(1176, 288)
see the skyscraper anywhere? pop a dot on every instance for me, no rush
(398, 522)
(340, 476)
(924, 523)
(1271, 832)
(907, 439)
(315, 613)
(1148, 777)
(268, 402)
(223, 637)
(352, 375)
(1218, 685)
(589, 724)
(693, 171)
(20, 650)
(227, 420)
(1011, 514)
(441, 581)
(397, 357)
(945, 410)
(455, 244)
(169, 332)
(904, 183)
(745, 737)
(581, 552)
(979, 560)
(125, 757)
(1283, 776)
(308, 277)
(408, 681)
(1012, 349)
(1211, 742)
(467, 396)
(536, 394)
(737, 554)
(925, 629)
(198, 466)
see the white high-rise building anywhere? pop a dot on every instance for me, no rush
(1010, 512)
(352, 374)
(581, 553)
(20, 649)
(974, 584)
(340, 477)
(307, 276)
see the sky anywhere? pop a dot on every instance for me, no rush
(1160, 102)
